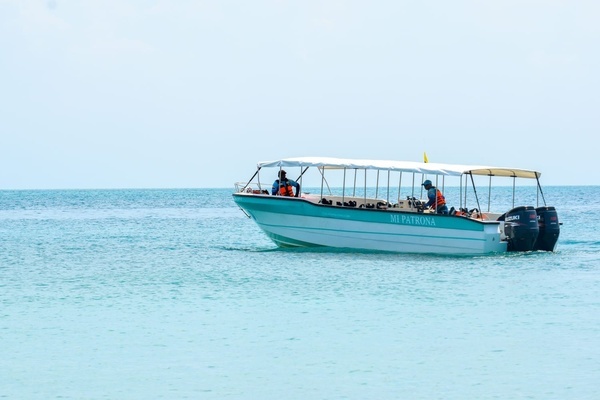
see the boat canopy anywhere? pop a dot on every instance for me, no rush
(400, 166)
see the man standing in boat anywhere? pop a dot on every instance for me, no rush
(437, 201)
(283, 186)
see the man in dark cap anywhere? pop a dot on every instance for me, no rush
(283, 186)
(437, 201)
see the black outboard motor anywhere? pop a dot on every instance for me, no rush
(549, 228)
(521, 228)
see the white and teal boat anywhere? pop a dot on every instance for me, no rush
(368, 205)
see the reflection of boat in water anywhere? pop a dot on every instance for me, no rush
(369, 215)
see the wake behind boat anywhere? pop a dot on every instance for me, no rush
(377, 212)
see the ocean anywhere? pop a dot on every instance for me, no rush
(176, 294)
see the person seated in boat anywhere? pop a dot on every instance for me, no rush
(436, 200)
(283, 186)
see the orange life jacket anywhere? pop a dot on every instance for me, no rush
(440, 199)
(285, 189)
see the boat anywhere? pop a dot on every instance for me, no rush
(377, 205)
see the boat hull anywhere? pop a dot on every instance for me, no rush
(297, 222)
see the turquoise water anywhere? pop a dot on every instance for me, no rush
(175, 294)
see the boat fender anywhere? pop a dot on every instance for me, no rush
(325, 201)
(382, 205)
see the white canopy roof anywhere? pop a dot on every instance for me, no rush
(401, 166)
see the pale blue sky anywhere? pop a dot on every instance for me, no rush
(169, 94)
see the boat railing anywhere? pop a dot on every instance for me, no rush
(252, 187)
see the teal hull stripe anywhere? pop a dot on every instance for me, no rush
(370, 233)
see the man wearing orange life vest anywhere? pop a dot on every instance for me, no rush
(283, 186)
(436, 198)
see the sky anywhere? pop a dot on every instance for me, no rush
(192, 94)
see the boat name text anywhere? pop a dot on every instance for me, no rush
(412, 220)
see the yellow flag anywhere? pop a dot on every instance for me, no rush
(425, 157)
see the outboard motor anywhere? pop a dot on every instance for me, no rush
(521, 228)
(549, 228)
